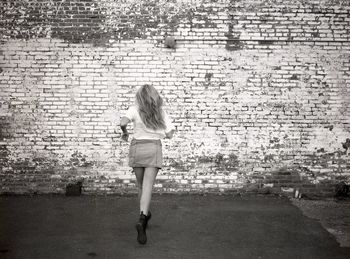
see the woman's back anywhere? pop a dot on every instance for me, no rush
(143, 132)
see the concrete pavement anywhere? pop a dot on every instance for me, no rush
(182, 226)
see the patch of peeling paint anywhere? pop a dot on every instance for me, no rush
(330, 141)
(100, 21)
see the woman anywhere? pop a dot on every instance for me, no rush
(151, 124)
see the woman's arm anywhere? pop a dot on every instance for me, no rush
(170, 129)
(123, 123)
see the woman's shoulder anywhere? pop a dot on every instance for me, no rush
(133, 108)
(131, 112)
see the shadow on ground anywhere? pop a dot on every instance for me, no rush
(182, 226)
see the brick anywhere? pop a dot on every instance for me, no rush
(275, 99)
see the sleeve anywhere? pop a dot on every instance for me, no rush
(130, 113)
(169, 126)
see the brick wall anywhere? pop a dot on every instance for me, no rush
(258, 90)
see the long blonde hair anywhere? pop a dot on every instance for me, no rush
(150, 107)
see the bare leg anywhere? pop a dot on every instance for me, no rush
(139, 172)
(149, 177)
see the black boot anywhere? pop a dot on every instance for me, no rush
(141, 229)
(148, 217)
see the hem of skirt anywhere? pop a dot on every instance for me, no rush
(145, 165)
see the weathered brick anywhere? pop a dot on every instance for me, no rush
(253, 87)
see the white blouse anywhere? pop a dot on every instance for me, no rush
(140, 129)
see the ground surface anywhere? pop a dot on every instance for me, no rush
(332, 214)
(181, 227)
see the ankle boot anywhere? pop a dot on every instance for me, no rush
(141, 229)
(148, 217)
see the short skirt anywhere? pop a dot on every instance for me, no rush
(145, 153)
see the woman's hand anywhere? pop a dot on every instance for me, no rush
(169, 134)
(125, 136)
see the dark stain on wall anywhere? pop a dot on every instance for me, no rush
(3, 157)
(79, 160)
(290, 180)
(146, 19)
(45, 174)
(96, 22)
(177, 164)
(5, 128)
(208, 77)
(74, 21)
(220, 162)
(346, 144)
(233, 43)
(266, 42)
(260, 17)
(333, 161)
